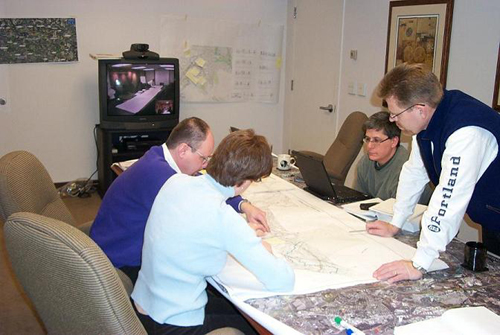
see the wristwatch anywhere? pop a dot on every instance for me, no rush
(241, 204)
(419, 268)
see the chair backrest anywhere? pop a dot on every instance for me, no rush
(344, 150)
(72, 284)
(26, 186)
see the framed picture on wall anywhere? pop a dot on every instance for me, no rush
(419, 32)
(496, 95)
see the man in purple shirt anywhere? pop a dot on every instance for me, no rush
(119, 226)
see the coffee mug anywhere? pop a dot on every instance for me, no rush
(475, 256)
(285, 162)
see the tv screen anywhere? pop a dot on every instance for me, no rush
(139, 93)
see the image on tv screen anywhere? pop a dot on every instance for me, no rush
(140, 89)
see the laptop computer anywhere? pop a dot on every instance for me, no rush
(318, 181)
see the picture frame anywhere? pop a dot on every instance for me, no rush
(419, 31)
(496, 90)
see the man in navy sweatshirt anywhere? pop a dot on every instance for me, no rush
(455, 145)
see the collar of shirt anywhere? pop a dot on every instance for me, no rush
(227, 191)
(169, 158)
(379, 167)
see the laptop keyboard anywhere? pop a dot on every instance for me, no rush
(346, 194)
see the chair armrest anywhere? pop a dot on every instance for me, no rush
(310, 153)
(127, 283)
(85, 227)
(116, 169)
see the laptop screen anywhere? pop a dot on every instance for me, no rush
(314, 174)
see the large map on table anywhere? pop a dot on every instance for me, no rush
(327, 247)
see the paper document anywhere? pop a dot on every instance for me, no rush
(385, 212)
(125, 164)
(458, 321)
(327, 247)
(367, 215)
(105, 56)
(267, 321)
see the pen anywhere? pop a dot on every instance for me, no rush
(344, 324)
(364, 219)
(357, 231)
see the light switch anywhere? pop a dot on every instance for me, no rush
(361, 89)
(351, 88)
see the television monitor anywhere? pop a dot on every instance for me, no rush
(138, 93)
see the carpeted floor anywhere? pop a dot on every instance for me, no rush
(17, 316)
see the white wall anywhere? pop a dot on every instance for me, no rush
(365, 30)
(473, 50)
(54, 107)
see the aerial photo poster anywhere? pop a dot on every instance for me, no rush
(38, 40)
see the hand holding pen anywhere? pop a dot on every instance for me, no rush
(381, 228)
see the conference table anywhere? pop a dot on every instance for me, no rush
(140, 100)
(379, 307)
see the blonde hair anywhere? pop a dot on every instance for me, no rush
(410, 84)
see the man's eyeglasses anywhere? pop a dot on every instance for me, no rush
(394, 116)
(204, 158)
(375, 140)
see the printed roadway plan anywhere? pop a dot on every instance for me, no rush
(327, 247)
(377, 307)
